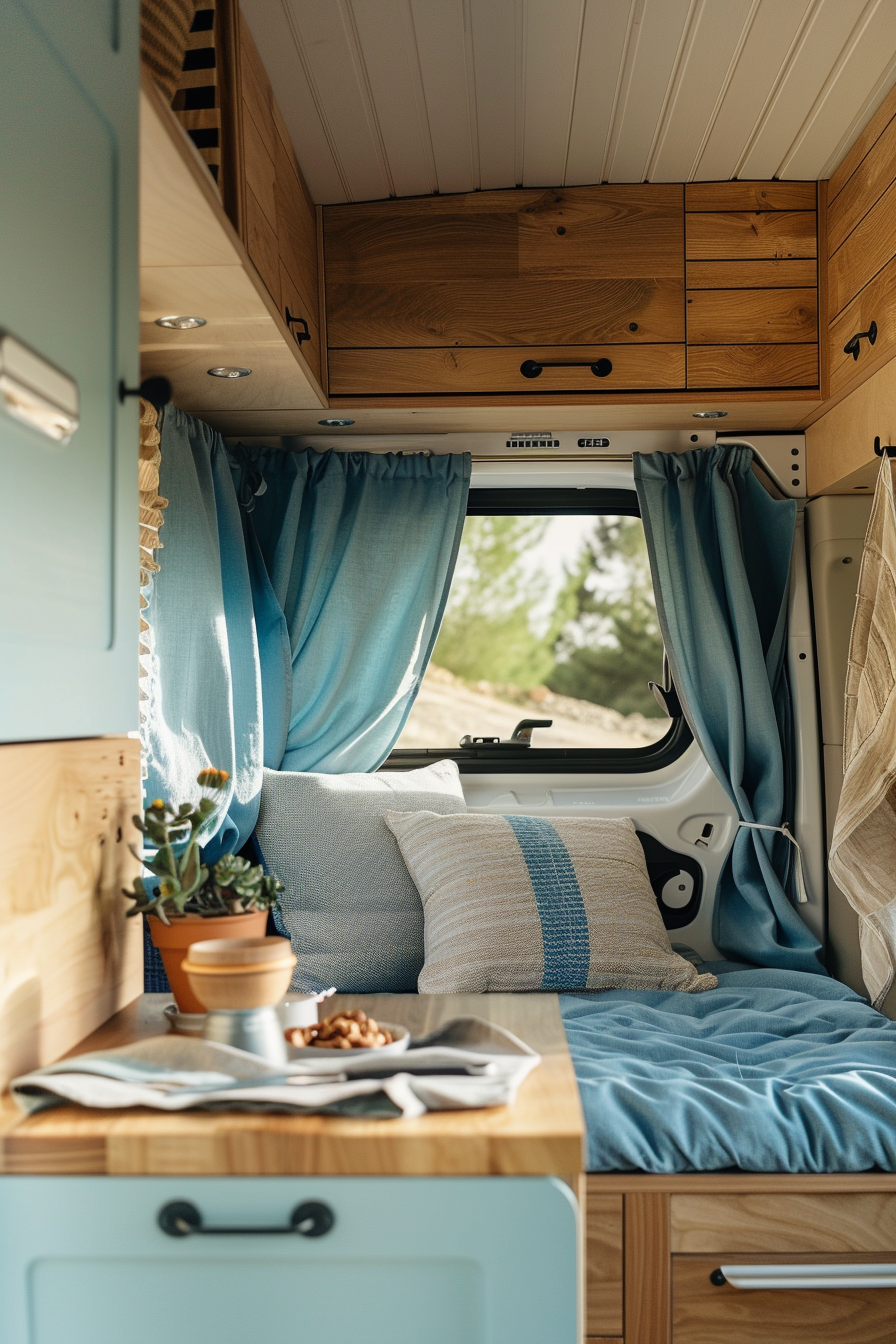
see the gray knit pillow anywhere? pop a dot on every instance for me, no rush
(522, 903)
(350, 908)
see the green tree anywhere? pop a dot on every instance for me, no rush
(612, 645)
(488, 633)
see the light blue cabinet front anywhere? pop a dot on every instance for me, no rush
(69, 86)
(407, 1261)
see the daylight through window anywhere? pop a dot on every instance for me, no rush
(548, 617)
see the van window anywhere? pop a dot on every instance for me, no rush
(551, 615)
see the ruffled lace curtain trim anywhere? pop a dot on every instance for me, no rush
(151, 519)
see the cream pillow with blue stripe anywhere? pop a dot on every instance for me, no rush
(523, 903)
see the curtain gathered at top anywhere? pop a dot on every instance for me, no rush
(720, 550)
(351, 557)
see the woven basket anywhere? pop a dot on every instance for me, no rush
(164, 30)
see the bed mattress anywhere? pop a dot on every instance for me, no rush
(772, 1071)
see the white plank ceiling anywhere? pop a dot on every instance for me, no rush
(407, 97)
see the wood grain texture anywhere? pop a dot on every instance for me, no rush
(749, 196)
(863, 142)
(68, 958)
(840, 442)
(603, 1264)
(830, 1223)
(768, 274)
(824, 362)
(867, 184)
(424, 372)
(543, 1134)
(759, 366)
(647, 1263)
(875, 302)
(705, 1314)
(742, 235)
(749, 316)
(866, 251)
(262, 246)
(504, 312)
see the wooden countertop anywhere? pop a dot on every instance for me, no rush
(543, 1134)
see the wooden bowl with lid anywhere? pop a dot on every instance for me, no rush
(240, 972)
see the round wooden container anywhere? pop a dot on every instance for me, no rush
(240, 972)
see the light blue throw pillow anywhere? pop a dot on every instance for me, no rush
(349, 907)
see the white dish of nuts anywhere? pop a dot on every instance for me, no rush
(350, 1030)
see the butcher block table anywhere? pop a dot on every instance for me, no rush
(542, 1134)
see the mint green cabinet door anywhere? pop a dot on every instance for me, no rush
(69, 84)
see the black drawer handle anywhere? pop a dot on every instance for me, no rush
(531, 368)
(304, 334)
(180, 1218)
(852, 345)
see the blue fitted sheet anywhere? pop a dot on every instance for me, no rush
(772, 1071)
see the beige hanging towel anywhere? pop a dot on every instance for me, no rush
(863, 850)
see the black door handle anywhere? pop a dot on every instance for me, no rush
(180, 1218)
(852, 345)
(304, 334)
(531, 368)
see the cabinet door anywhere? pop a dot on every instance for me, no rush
(68, 293)
(407, 1261)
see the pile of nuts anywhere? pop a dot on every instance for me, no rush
(348, 1030)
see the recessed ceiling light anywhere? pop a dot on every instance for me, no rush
(229, 371)
(709, 415)
(180, 323)
(335, 424)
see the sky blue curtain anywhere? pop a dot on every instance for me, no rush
(206, 688)
(351, 557)
(720, 551)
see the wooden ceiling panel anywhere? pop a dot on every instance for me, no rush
(408, 97)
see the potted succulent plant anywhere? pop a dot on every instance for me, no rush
(186, 901)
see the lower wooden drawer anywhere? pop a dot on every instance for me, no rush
(704, 1312)
(497, 369)
(831, 1224)
(752, 366)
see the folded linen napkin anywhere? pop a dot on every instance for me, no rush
(467, 1064)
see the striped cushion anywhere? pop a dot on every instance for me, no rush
(523, 903)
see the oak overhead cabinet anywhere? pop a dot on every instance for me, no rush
(616, 289)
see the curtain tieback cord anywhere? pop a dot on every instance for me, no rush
(801, 893)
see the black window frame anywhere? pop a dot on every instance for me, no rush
(502, 759)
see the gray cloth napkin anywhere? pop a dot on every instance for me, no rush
(466, 1064)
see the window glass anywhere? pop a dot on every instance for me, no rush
(548, 617)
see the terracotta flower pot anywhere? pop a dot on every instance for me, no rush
(174, 939)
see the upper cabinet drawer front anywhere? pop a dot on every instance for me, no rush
(746, 1224)
(753, 366)
(752, 316)
(438, 372)
(867, 184)
(873, 304)
(866, 251)
(750, 196)
(741, 235)
(541, 309)
(575, 264)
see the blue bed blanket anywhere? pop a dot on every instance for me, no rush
(772, 1071)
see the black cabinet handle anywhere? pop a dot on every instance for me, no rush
(304, 334)
(852, 345)
(717, 1279)
(157, 391)
(531, 368)
(180, 1218)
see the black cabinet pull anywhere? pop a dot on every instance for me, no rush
(304, 334)
(180, 1218)
(531, 368)
(717, 1279)
(157, 391)
(852, 345)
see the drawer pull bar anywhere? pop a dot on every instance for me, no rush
(805, 1276)
(531, 368)
(180, 1218)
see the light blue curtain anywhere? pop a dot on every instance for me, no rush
(205, 687)
(720, 551)
(351, 556)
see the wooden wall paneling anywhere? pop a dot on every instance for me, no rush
(752, 316)
(322, 300)
(647, 1300)
(743, 234)
(497, 369)
(768, 273)
(68, 957)
(863, 142)
(866, 185)
(829, 1223)
(866, 251)
(702, 196)
(757, 366)
(839, 442)
(261, 244)
(705, 1314)
(603, 1264)
(875, 302)
(821, 265)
